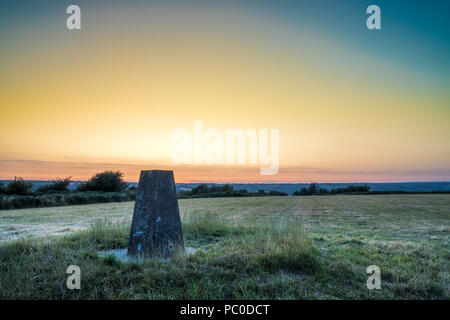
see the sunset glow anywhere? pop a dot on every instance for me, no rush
(350, 105)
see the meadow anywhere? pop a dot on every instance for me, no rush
(311, 247)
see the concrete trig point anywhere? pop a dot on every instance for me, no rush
(156, 226)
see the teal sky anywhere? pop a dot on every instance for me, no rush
(415, 33)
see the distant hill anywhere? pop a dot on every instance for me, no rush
(289, 188)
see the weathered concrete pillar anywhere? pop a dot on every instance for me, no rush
(156, 226)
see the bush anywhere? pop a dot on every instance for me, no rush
(226, 190)
(58, 185)
(63, 199)
(19, 187)
(106, 181)
(351, 189)
(303, 192)
(276, 193)
(313, 190)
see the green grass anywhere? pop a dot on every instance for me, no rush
(248, 248)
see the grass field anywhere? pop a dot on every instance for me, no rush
(315, 247)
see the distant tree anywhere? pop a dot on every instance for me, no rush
(227, 188)
(351, 189)
(19, 187)
(302, 192)
(2, 188)
(58, 185)
(106, 181)
(323, 191)
(200, 189)
(312, 188)
(276, 193)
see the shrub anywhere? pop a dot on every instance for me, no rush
(19, 187)
(106, 181)
(226, 190)
(63, 199)
(276, 193)
(201, 189)
(351, 189)
(58, 185)
(302, 192)
(312, 188)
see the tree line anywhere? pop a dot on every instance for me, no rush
(314, 190)
(226, 190)
(106, 181)
(109, 186)
(102, 187)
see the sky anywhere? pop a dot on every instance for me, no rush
(350, 104)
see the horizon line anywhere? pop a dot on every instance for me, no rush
(273, 182)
